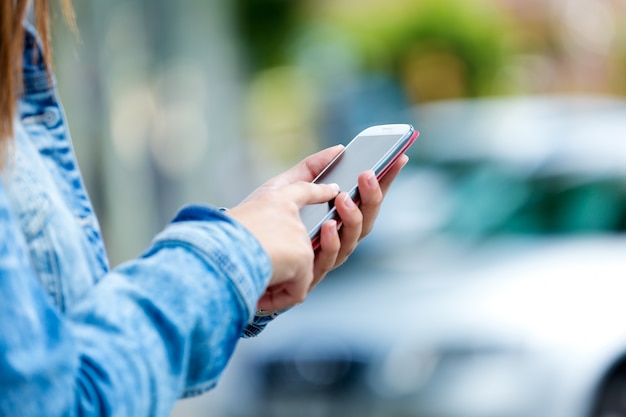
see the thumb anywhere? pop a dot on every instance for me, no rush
(309, 168)
(304, 193)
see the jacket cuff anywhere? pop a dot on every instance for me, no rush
(225, 243)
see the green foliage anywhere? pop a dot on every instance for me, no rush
(388, 35)
(472, 36)
(474, 33)
(265, 27)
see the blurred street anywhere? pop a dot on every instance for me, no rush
(516, 186)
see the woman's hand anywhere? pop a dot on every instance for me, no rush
(271, 213)
(357, 221)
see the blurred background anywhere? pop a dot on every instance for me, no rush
(519, 173)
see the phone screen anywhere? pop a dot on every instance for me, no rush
(361, 154)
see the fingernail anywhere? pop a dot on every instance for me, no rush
(334, 187)
(349, 202)
(371, 180)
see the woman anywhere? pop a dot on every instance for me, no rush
(79, 339)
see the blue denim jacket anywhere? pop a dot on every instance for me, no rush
(79, 339)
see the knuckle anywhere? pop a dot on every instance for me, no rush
(300, 296)
(355, 219)
(377, 198)
(306, 253)
(374, 198)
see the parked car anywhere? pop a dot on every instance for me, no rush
(492, 286)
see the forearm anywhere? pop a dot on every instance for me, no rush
(142, 335)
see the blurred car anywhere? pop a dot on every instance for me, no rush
(492, 286)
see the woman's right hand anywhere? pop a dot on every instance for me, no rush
(272, 215)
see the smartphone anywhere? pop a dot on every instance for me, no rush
(375, 148)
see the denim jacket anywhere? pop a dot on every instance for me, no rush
(79, 339)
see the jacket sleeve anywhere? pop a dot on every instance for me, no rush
(144, 335)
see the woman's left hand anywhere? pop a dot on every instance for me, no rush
(356, 221)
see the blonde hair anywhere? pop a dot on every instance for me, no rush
(12, 15)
